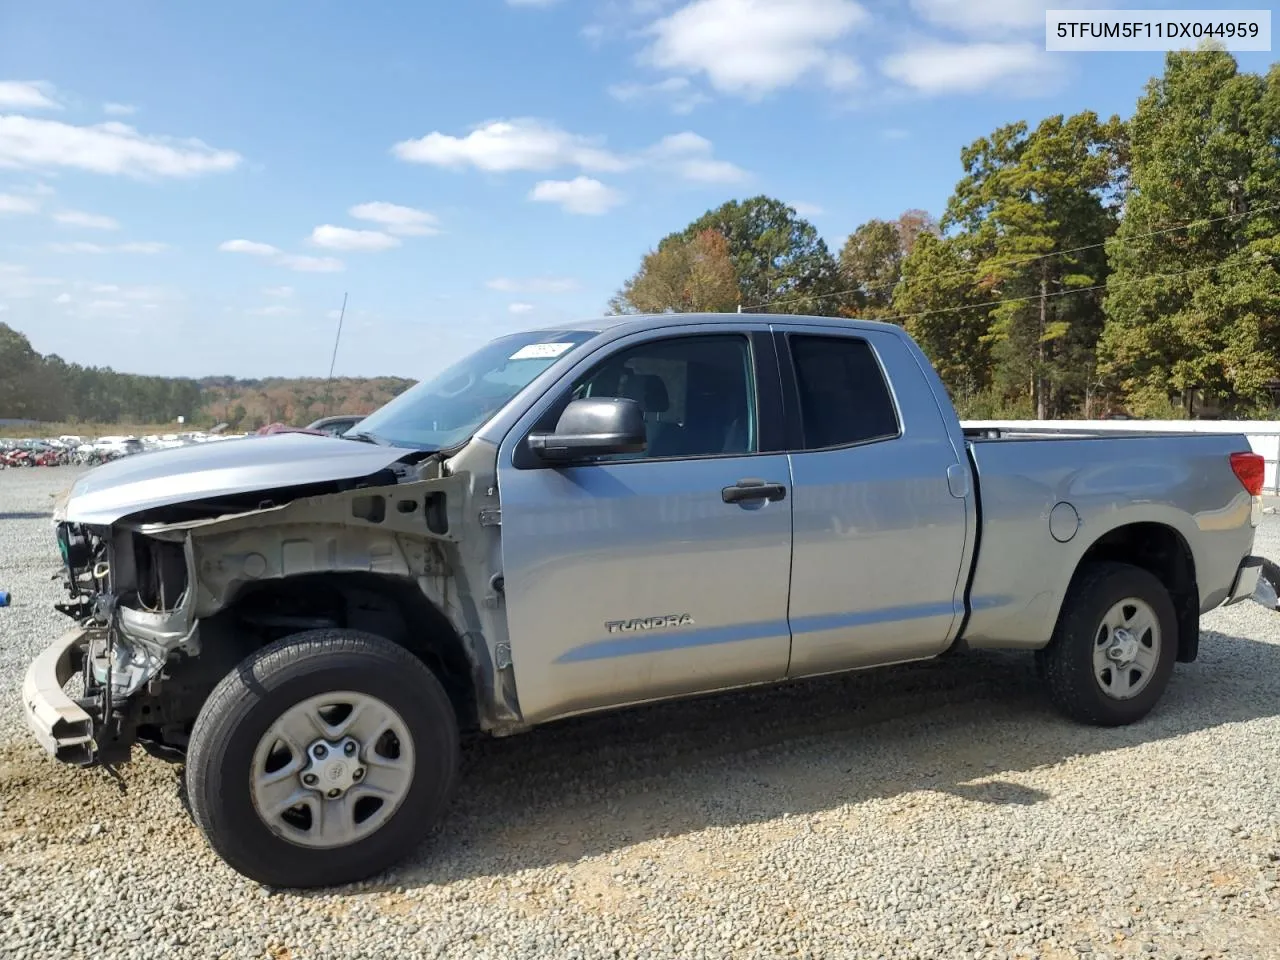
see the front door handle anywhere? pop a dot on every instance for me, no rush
(752, 489)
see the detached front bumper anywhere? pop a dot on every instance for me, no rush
(61, 725)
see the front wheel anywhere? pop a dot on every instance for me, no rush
(322, 759)
(1113, 651)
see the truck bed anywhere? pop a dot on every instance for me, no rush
(1182, 482)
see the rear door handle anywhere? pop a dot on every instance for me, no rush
(752, 489)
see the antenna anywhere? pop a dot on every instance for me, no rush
(328, 395)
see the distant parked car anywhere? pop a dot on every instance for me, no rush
(120, 445)
(335, 426)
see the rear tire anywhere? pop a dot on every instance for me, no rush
(258, 732)
(1114, 647)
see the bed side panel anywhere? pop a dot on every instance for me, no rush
(1023, 572)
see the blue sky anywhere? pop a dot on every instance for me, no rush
(190, 188)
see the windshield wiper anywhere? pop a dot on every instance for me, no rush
(364, 436)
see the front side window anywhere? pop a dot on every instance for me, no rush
(843, 396)
(447, 409)
(697, 393)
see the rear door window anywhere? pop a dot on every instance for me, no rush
(843, 395)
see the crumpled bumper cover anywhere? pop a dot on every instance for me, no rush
(60, 724)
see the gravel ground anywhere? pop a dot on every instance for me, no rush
(940, 810)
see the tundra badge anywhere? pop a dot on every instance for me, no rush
(650, 623)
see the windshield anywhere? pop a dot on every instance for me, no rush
(447, 409)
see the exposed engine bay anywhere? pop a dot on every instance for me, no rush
(132, 595)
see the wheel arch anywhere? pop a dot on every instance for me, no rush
(394, 608)
(1164, 552)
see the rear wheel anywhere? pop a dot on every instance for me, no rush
(322, 759)
(1114, 648)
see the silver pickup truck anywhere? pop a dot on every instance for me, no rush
(581, 518)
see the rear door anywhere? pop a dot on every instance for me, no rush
(880, 540)
(651, 575)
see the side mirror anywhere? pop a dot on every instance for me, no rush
(593, 427)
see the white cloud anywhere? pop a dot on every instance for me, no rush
(93, 221)
(104, 308)
(249, 246)
(109, 148)
(807, 209)
(292, 261)
(533, 285)
(505, 145)
(678, 92)
(62, 298)
(942, 68)
(17, 282)
(27, 95)
(304, 264)
(752, 47)
(402, 221)
(273, 310)
(519, 307)
(531, 145)
(281, 293)
(344, 238)
(119, 109)
(11, 203)
(145, 294)
(581, 195)
(689, 156)
(146, 247)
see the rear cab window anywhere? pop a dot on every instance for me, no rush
(844, 399)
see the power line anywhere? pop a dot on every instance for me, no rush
(1031, 258)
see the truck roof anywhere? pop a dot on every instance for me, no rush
(648, 321)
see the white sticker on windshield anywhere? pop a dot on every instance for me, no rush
(540, 351)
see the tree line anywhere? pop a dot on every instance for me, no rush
(48, 389)
(1082, 266)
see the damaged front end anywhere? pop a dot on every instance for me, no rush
(169, 597)
(133, 599)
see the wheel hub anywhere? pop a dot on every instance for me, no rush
(1123, 648)
(333, 768)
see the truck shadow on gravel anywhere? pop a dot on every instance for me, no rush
(594, 785)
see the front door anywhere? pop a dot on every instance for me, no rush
(642, 576)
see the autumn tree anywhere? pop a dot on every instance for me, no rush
(871, 262)
(777, 256)
(1194, 298)
(694, 275)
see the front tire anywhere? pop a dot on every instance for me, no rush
(1114, 648)
(322, 759)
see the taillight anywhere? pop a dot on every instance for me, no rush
(1250, 469)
